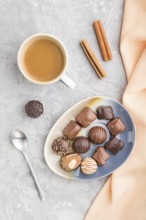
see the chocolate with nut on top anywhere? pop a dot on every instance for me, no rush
(71, 161)
(34, 108)
(116, 126)
(86, 117)
(81, 145)
(71, 130)
(62, 146)
(114, 145)
(105, 112)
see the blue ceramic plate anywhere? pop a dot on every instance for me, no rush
(114, 162)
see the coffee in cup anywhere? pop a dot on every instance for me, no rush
(43, 59)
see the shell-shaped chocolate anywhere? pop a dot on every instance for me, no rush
(105, 112)
(97, 135)
(89, 166)
(71, 161)
(81, 145)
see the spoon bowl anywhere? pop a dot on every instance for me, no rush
(19, 140)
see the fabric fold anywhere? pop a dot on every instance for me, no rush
(123, 197)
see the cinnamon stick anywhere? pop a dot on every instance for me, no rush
(93, 59)
(102, 39)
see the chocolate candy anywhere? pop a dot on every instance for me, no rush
(34, 108)
(116, 126)
(89, 166)
(97, 135)
(71, 130)
(114, 145)
(81, 145)
(101, 156)
(105, 112)
(71, 161)
(86, 117)
(62, 146)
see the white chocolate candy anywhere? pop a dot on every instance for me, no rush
(89, 166)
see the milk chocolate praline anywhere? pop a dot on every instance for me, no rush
(81, 145)
(89, 166)
(97, 135)
(116, 126)
(71, 161)
(105, 112)
(86, 117)
(71, 130)
(114, 145)
(101, 156)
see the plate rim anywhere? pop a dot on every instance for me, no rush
(79, 102)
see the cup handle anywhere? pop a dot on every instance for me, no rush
(68, 82)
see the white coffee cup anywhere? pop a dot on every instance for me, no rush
(62, 76)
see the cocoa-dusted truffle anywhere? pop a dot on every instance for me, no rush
(86, 117)
(105, 112)
(81, 145)
(114, 145)
(97, 135)
(34, 108)
(62, 146)
(71, 130)
(101, 156)
(116, 126)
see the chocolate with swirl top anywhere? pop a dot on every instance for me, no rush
(89, 166)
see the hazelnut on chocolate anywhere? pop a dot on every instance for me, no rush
(71, 161)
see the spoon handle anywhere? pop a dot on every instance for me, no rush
(35, 178)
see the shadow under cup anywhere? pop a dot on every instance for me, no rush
(42, 59)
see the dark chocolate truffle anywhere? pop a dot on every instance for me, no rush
(71, 130)
(116, 126)
(105, 112)
(34, 108)
(101, 156)
(81, 145)
(62, 146)
(114, 145)
(97, 135)
(86, 117)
